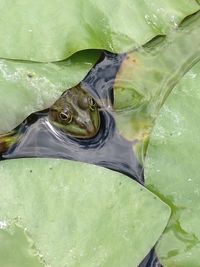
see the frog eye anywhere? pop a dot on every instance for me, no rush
(92, 104)
(66, 116)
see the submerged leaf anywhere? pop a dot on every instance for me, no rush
(148, 75)
(172, 171)
(55, 30)
(76, 214)
(27, 87)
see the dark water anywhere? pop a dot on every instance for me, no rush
(107, 148)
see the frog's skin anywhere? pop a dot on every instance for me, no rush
(7, 140)
(75, 113)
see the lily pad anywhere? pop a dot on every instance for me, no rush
(54, 31)
(148, 75)
(17, 249)
(27, 87)
(76, 214)
(172, 171)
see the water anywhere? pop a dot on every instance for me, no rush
(107, 148)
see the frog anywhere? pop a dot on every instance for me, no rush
(75, 113)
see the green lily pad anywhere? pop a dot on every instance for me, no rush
(37, 31)
(172, 171)
(17, 249)
(148, 75)
(76, 214)
(27, 87)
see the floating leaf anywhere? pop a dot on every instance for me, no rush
(172, 171)
(35, 30)
(27, 87)
(76, 214)
(17, 249)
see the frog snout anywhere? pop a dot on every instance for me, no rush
(89, 127)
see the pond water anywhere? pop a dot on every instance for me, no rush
(107, 148)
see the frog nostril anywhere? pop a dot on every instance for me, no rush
(87, 126)
(82, 125)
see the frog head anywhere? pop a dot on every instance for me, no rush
(76, 113)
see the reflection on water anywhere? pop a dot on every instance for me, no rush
(150, 260)
(107, 148)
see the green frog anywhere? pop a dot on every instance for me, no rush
(76, 113)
